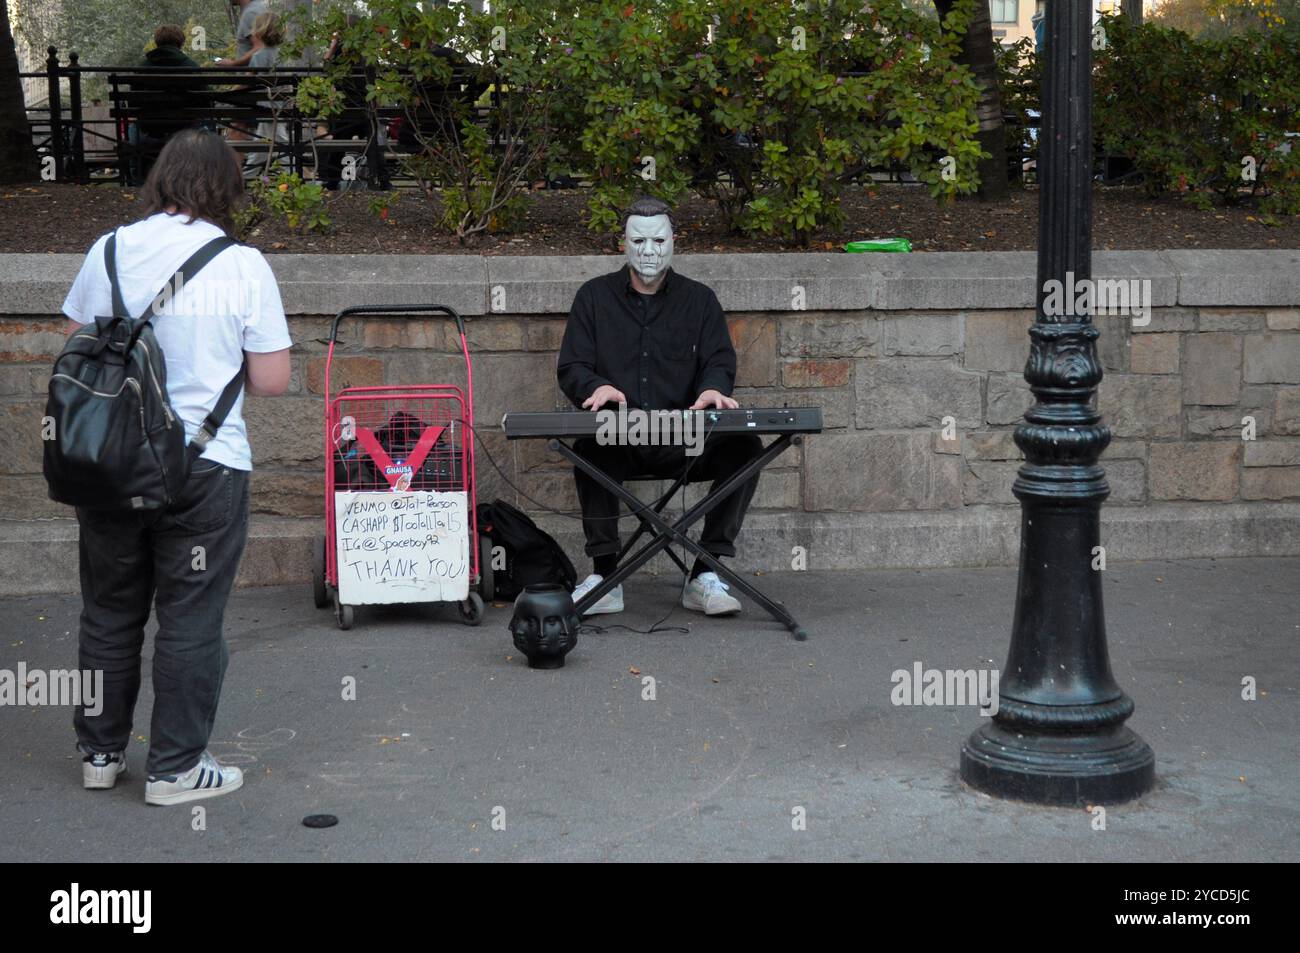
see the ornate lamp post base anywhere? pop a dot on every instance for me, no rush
(1059, 769)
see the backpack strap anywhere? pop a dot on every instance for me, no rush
(217, 416)
(110, 266)
(188, 269)
(230, 393)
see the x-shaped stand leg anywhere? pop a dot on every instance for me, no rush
(643, 526)
(667, 532)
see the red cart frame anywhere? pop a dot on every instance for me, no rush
(389, 437)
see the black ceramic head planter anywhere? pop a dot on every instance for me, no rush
(545, 625)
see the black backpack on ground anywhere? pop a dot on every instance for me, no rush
(116, 443)
(531, 555)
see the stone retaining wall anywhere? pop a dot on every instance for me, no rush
(1203, 401)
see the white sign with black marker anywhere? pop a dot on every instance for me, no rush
(410, 546)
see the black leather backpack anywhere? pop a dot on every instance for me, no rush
(112, 439)
(531, 554)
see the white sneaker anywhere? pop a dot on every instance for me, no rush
(100, 771)
(708, 594)
(611, 601)
(206, 779)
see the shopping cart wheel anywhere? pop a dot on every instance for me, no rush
(471, 610)
(319, 591)
(342, 613)
(486, 584)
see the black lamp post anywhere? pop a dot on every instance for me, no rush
(1059, 735)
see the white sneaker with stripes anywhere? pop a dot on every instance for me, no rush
(206, 779)
(611, 601)
(708, 594)
(100, 771)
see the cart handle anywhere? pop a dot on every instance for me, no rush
(395, 309)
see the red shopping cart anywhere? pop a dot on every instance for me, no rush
(399, 492)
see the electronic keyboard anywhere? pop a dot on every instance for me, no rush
(586, 423)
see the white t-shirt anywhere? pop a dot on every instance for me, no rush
(231, 306)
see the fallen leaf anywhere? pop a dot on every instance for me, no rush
(633, 670)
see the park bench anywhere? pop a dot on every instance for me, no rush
(149, 105)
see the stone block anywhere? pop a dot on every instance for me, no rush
(879, 471)
(286, 430)
(1194, 471)
(1141, 405)
(21, 448)
(997, 340)
(1154, 354)
(1271, 483)
(1229, 319)
(927, 334)
(755, 341)
(816, 373)
(1211, 369)
(1008, 399)
(900, 393)
(1273, 359)
(1272, 453)
(829, 335)
(1286, 411)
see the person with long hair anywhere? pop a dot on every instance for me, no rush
(180, 561)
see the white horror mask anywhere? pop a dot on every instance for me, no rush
(648, 244)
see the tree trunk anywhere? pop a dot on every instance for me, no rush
(977, 52)
(1133, 10)
(17, 151)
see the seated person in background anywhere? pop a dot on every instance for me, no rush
(353, 89)
(158, 123)
(168, 50)
(654, 340)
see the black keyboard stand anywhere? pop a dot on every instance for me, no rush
(666, 533)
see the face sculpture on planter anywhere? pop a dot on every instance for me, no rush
(648, 244)
(545, 625)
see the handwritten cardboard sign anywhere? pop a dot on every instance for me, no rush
(410, 546)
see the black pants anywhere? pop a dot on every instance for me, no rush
(185, 558)
(331, 160)
(723, 455)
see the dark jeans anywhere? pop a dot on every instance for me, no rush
(723, 455)
(132, 560)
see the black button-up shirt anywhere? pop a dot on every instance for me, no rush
(661, 350)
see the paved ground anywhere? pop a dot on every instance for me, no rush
(747, 725)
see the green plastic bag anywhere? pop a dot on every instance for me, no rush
(879, 244)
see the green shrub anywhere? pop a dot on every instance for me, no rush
(765, 117)
(1199, 116)
(624, 73)
(300, 204)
